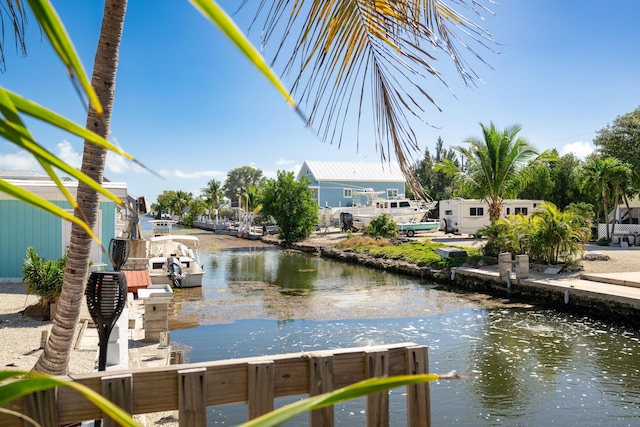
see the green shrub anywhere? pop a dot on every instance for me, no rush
(603, 241)
(548, 236)
(42, 277)
(382, 226)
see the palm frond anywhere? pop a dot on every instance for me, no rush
(352, 52)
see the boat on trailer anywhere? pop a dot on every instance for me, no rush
(411, 228)
(174, 260)
(367, 205)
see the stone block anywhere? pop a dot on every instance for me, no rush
(451, 252)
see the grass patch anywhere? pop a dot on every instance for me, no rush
(420, 253)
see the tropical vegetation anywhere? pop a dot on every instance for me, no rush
(43, 277)
(548, 236)
(611, 180)
(291, 204)
(621, 140)
(421, 253)
(494, 166)
(382, 226)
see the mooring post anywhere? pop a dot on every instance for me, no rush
(504, 264)
(522, 267)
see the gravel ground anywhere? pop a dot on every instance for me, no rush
(21, 335)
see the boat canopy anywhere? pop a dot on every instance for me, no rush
(175, 237)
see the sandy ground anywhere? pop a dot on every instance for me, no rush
(21, 335)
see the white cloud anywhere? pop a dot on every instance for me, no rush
(118, 164)
(21, 160)
(68, 154)
(177, 173)
(581, 149)
(270, 174)
(283, 161)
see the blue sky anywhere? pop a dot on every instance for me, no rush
(191, 108)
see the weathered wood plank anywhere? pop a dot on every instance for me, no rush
(261, 388)
(42, 407)
(192, 399)
(119, 390)
(156, 389)
(321, 381)
(377, 406)
(418, 399)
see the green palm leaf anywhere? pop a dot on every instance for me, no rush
(219, 17)
(353, 391)
(60, 41)
(45, 205)
(24, 383)
(350, 52)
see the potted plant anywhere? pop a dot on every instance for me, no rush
(43, 278)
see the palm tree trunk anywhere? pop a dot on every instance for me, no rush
(606, 214)
(55, 358)
(495, 209)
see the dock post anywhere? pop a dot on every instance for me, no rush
(504, 264)
(522, 267)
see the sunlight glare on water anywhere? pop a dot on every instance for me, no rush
(524, 366)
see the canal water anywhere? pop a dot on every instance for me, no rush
(523, 366)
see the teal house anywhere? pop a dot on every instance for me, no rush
(337, 184)
(22, 225)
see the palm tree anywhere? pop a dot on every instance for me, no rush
(557, 234)
(181, 202)
(213, 195)
(610, 178)
(494, 165)
(341, 47)
(55, 358)
(252, 195)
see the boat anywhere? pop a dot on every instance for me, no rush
(411, 228)
(173, 260)
(367, 204)
(161, 227)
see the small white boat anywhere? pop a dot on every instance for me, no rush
(368, 204)
(174, 260)
(411, 228)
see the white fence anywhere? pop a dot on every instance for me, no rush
(622, 233)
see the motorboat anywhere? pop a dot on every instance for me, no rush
(174, 260)
(368, 204)
(411, 228)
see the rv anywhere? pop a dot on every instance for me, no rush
(466, 216)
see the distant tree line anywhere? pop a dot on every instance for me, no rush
(607, 177)
(288, 202)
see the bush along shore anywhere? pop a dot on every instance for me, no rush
(559, 292)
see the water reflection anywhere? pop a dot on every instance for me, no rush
(527, 366)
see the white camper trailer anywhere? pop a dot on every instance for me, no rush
(466, 216)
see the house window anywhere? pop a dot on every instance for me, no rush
(448, 212)
(392, 193)
(346, 192)
(308, 172)
(522, 211)
(508, 211)
(476, 211)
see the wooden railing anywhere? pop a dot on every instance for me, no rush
(191, 388)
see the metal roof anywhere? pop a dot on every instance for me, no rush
(22, 174)
(353, 171)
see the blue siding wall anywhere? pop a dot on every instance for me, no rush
(23, 225)
(332, 194)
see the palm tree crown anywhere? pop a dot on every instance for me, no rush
(494, 165)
